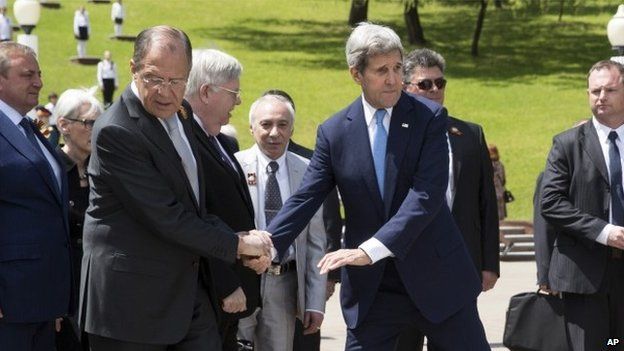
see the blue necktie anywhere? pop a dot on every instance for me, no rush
(615, 168)
(379, 149)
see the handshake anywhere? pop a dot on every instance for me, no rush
(255, 249)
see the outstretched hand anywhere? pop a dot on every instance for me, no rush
(254, 243)
(343, 257)
(258, 264)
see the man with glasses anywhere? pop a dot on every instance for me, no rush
(470, 192)
(213, 91)
(146, 226)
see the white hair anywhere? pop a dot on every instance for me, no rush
(368, 40)
(70, 102)
(268, 99)
(212, 67)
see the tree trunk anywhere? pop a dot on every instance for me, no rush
(498, 4)
(359, 12)
(477, 33)
(561, 3)
(415, 33)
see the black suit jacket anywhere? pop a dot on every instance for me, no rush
(144, 230)
(474, 205)
(575, 200)
(331, 211)
(543, 236)
(227, 197)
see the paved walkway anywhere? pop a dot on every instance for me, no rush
(516, 277)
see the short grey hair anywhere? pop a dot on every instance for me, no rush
(10, 50)
(422, 58)
(212, 67)
(267, 99)
(168, 37)
(70, 102)
(368, 40)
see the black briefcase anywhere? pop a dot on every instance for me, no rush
(535, 323)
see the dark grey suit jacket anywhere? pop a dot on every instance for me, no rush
(474, 205)
(575, 200)
(144, 231)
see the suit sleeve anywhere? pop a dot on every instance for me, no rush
(315, 282)
(298, 210)
(556, 204)
(143, 191)
(426, 196)
(488, 211)
(543, 237)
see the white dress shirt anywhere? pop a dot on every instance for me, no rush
(81, 20)
(603, 137)
(282, 180)
(374, 248)
(106, 69)
(117, 11)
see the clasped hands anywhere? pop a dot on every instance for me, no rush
(255, 249)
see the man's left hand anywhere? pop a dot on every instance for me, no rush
(343, 257)
(312, 322)
(488, 280)
(258, 264)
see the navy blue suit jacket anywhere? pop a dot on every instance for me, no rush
(35, 265)
(412, 221)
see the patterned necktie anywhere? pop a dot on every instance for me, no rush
(615, 168)
(188, 161)
(379, 149)
(30, 135)
(272, 196)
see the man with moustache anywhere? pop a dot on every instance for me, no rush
(213, 91)
(405, 261)
(146, 226)
(581, 197)
(35, 258)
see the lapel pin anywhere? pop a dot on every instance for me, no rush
(405, 125)
(455, 131)
(251, 178)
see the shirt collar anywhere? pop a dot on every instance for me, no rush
(603, 131)
(263, 160)
(369, 111)
(10, 112)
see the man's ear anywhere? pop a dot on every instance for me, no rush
(204, 93)
(355, 74)
(132, 66)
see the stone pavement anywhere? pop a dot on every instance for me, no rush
(516, 277)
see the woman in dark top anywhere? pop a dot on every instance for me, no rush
(76, 112)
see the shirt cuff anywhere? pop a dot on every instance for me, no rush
(604, 234)
(375, 250)
(317, 311)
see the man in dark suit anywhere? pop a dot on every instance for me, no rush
(406, 263)
(582, 199)
(146, 227)
(470, 193)
(35, 264)
(213, 91)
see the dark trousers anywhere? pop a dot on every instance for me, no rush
(202, 334)
(108, 90)
(393, 312)
(227, 330)
(592, 319)
(27, 336)
(310, 342)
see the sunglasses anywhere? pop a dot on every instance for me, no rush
(427, 84)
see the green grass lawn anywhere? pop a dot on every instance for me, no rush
(527, 85)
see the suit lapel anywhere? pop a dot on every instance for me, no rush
(456, 147)
(15, 137)
(591, 145)
(357, 128)
(239, 175)
(400, 127)
(249, 164)
(151, 128)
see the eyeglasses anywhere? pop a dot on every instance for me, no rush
(87, 123)
(158, 82)
(427, 84)
(237, 93)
